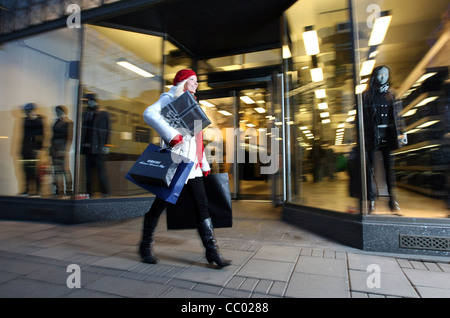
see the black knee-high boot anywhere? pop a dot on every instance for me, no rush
(146, 246)
(205, 229)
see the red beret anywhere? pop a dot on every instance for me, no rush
(183, 75)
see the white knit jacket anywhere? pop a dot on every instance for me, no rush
(188, 149)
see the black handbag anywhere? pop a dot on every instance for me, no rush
(181, 215)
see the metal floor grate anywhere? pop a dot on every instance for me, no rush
(425, 242)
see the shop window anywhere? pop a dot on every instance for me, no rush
(121, 77)
(39, 83)
(412, 42)
(321, 107)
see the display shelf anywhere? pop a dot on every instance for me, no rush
(423, 165)
(422, 190)
(421, 98)
(421, 145)
(423, 121)
(424, 168)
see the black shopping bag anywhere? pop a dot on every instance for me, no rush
(172, 192)
(181, 215)
(154, 167)
(185, 115)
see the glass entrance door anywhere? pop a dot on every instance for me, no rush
(244, 140)
(221, 107)
(254, 121)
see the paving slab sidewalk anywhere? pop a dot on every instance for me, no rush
(271, 259)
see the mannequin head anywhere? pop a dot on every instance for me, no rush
(29, 109)
(61, 111)
(91, 99)
(380, 76)
(383, 76)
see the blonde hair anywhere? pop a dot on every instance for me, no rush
(180, 88)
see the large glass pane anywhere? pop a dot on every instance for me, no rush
(219, 149)
(122, 70)
(37, 148)
(412, 40)
(255, 122)
(249, 118)
(320, 131)
(175, 59)
(239, 62)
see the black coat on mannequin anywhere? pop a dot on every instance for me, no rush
(95, 133)
(378, 102)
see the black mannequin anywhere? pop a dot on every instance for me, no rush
(383, 131)
(32, 143)
(61, 142)
(96, 129)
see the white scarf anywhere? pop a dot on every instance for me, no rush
(384, 88)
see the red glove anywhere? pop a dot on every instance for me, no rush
(206, 173)
(176, 140)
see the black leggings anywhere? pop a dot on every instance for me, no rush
(197, 192)
(388, 170)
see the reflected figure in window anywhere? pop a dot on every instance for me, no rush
(316, 158)
(33, 137)
(383, 132)
(96, 127)
(330, 162)
(61, 143)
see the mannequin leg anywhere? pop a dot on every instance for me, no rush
(390, 179)
(370, 175)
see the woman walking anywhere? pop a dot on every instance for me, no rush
(192, 148)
